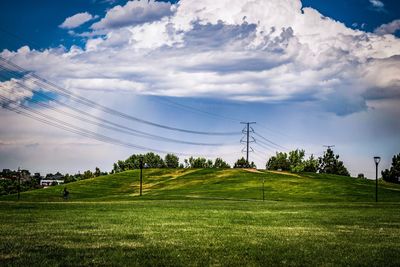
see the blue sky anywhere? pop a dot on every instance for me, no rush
(310, 73)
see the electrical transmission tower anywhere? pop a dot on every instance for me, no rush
(246, 131)
(329, 146)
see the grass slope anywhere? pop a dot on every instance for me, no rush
(203, 217)
(231, 184)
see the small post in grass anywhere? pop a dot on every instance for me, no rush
(19, 182)
(377, 160)
(141, 178)
(263, 189)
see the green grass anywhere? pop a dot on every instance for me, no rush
(204, 217)
(228, 184)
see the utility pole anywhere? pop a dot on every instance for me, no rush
(246, 131)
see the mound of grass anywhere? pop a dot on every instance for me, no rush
(229, 184)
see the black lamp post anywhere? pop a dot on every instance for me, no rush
(377, 160)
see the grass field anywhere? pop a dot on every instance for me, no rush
(204, 217)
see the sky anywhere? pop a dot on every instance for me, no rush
(310, 73)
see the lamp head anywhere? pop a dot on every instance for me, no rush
(377, 159)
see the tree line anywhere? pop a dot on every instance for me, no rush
(171, 161)
(295, 161)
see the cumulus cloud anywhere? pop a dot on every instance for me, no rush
(76, 20)
(133, 13)
(266, 51)
(388, 28)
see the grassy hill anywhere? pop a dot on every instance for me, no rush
(204, 217)
(231, 184)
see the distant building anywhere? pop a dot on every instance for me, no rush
(50, 182)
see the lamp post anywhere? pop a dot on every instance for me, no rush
(377, 160)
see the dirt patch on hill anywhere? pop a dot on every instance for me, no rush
(286, 173)
(252, 170)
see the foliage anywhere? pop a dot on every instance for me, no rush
(293, 162)
(87, 175)
(171, 161)
(219, 163)
(296, 161)
(197, 162)
(330, 163)
(311, 164)
(133, 162)
(392, 175)
(242, 163)
(278, 162)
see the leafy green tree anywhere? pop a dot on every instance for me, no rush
(209, 163)
(330, 163)
(392, 175)
(153, 160)
(171, 161)
(219, 163)
(311, 164)
(97, 172)
(87, 175)
(296, 160)
(69, 178)
(279, 162)
(197, 162)
(242, 163)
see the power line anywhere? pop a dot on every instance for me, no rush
(263, 146)
(269, 141)
(195, 110)
(90, 103)
(121, 128)
(49, 120)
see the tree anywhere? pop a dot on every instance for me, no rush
(209, 163)
(197, 162)
(311, 165)
(296, 161)
(330, 163)
(171, 161)
(87, 174)
(219, 163)
(242, 163)
(97, 172)
(279, 162)
(392, 175)
(153, 160)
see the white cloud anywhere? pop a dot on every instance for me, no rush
(133, 13)
(388, 28)
(266, 51)
(377, 5)
(76, 20)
